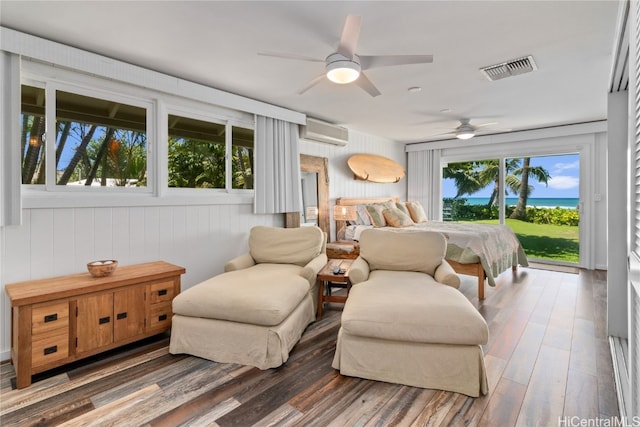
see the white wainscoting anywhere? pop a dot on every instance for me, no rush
(54, 242)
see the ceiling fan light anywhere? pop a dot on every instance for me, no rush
(465, 135)
(341, 69)
(343, 72)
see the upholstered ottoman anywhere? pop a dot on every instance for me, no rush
(405, 326)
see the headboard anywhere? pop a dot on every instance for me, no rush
(344, 201)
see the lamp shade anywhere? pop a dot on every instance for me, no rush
(345, 213)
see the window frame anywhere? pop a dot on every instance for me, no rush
(51, 123)
(197, 113)
(158, 106)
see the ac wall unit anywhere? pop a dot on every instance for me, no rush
(319, 131)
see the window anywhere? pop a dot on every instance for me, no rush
(242, 158)
(80, 138)
(32, 141)
(98, 142)
(198, 154)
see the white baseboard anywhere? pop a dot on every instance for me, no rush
(5, 356)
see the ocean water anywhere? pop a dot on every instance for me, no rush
(539, 202)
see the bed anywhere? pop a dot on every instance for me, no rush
(480, 250)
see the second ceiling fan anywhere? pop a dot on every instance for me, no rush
(345, 66)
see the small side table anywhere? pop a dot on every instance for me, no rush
(326, 275)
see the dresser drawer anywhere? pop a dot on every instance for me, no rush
(50, 348)
(48, 317)
(160, 316)
(161, 292)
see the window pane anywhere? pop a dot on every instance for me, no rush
(542, 207)
(242, 158)
(31, 142)
(470, 190)
(196, 153)
(100, 142)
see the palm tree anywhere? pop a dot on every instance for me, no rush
(491, 173)
(540, 173)
(471, 177)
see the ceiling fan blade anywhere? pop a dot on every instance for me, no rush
(366, 84)
(311, 84)
(485, 124)
(493, 130)
(376, 61)
(442, 134)
(350, 34)
(290, 56)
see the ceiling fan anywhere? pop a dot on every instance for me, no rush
(345, 66)
(467, 131)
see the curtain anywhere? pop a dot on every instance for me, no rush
(423, 181)
(277, 179)
(10, 164)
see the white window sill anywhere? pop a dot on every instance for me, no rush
(38, 199)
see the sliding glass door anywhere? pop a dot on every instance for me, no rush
(537, 196)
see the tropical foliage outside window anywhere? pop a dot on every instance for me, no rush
(98, 142)
(471, 177)
(102, 142)
(242, 158)
(32, 143)
(197, 154)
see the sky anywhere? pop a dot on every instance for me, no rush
(564, 182)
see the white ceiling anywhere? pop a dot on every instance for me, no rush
(216, 43)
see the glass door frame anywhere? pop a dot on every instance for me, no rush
(573, 144)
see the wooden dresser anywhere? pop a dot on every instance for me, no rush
(59, 320)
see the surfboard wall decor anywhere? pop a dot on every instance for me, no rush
(374, 168)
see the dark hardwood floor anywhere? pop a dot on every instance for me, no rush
(547, 358)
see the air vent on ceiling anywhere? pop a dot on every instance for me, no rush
(509, 68)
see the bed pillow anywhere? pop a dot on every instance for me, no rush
(397, 218)
(376, 216)
(403, 207)
(363, 215)
(417, 212)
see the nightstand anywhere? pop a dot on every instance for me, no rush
(326, 277)
(343, 249)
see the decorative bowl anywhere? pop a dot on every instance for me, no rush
(102, 268)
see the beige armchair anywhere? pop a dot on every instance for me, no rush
(405, 322)
(255, 312)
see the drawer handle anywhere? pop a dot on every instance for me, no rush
(162, 292)
(104, 320)
(51, 350)
(51, 318)
(162, 317)
(121, 316)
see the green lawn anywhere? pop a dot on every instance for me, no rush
(545, 241)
